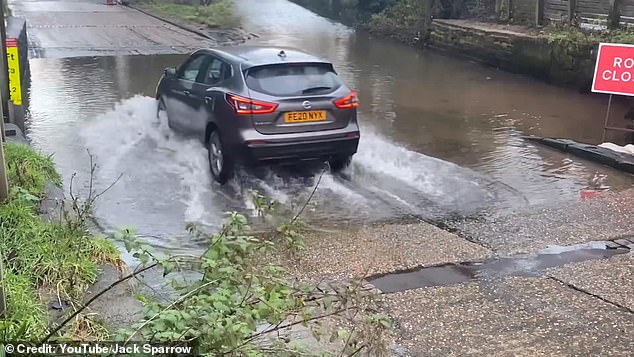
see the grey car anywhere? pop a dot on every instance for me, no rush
(261, 105)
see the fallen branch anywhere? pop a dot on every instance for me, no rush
(310, 197)
(91, 300)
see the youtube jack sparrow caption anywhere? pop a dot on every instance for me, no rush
(94, 348)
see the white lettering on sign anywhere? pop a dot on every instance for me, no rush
(610, 75)
(620, 63)
(617, 62)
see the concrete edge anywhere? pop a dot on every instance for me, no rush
(588, 152)
(14, 134)
(467, 27)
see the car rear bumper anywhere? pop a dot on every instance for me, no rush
(302, 150)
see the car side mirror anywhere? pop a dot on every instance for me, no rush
(170, 72)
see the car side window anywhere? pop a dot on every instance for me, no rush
(217, 71)
(190, 70)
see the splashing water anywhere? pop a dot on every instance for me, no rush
(166, 181)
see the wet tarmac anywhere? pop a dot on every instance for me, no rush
(59, 29)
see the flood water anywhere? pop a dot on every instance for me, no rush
(524, 265)
(441, 137)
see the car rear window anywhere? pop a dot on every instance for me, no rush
(293, 80)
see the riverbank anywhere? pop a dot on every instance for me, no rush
(216, 21)
(558, 53)
(50, 258)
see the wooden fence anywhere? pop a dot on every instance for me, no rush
(589, 13)
(593, 13)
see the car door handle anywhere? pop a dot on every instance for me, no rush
(209, 100)
(187, 93)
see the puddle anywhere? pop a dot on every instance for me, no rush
(524, 265)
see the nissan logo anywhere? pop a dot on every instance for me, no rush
(307, 105)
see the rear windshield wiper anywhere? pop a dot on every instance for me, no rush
(314, 89)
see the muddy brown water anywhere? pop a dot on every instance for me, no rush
(441, 137)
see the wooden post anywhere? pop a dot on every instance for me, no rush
(509, 10)
(572, 10)
(3, 296)
(614, 17)
(4, 70)
(427, 19)
(607, 119)
(539, 13)
(4, 184)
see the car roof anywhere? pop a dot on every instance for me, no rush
(251, 56)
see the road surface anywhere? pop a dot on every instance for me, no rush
(91, 28)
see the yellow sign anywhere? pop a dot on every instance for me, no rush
(13, 62)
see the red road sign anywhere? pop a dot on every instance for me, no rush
(614, 71)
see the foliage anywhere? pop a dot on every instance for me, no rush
(375, 6)
(217, 14)
(25, 315)
(60, 256)
(263, 206)
(241, 304)
(573, 37)
(29, 170)
(405, 16)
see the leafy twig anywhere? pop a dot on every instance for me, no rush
(281, 327)
(178, 301)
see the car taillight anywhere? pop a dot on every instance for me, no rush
(349, 101)
(249, 106)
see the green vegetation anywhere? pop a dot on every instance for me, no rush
(350, 12)
(406, 17)
(574, 35)
(243, 305)
(579, 43)
(49, 258)
(218, 14)
(26, 316)
(240, 304)
(29, 170)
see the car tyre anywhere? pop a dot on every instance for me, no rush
(162, 108)
(220, 162)
(340, 163)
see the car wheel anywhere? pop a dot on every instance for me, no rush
(340, 163)
(220, 162)
(161, 112)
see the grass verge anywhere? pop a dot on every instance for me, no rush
(219, 14)
(58, 258)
